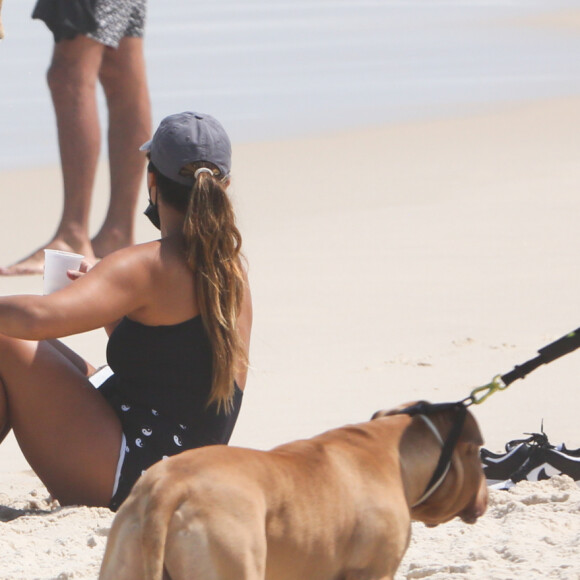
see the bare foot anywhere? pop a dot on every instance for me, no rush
(104, 244)
(34, 264)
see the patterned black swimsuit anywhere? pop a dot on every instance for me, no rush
(159, 389)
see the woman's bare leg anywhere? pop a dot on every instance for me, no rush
(68, 433)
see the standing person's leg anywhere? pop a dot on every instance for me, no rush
(124, 80)
(72, 78)
(67, 431)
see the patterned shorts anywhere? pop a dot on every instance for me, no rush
(149, 436)
(117, 19)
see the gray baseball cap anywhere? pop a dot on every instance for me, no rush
(185, 138)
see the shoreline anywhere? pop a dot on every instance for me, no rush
(446, 56)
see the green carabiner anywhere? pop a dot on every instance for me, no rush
(487, 390)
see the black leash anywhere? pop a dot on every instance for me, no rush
(547, 354)
(426, 409)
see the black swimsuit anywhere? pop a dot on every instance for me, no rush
(159, 389)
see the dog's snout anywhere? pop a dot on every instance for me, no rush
(471, 516)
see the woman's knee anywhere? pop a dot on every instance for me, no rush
(13, 353)
(8, 345)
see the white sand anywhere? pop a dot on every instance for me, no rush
(532, 532)
(390, 264)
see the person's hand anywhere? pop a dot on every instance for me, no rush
(83, 269)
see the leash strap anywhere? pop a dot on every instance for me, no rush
(447, 451)
(426, 409)
(547, 354)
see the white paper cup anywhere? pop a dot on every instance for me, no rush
(56, 264)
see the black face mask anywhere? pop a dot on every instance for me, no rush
(153, 214)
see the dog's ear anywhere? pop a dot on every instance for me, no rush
(471, 432)
(396, 411)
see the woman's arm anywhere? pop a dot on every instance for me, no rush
(118, 285)
(75, 275)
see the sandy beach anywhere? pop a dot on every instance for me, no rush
(402, 262)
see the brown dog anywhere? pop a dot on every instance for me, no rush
(335, 507)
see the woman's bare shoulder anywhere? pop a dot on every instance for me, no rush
(131, 261)
(137, 251)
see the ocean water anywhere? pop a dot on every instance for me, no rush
(287, 68)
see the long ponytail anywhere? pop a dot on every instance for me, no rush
(213, 251)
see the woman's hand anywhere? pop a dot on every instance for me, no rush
(83, 269)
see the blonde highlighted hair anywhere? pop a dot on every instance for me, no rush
(213, 252)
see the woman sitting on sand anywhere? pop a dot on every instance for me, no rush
(178, 312)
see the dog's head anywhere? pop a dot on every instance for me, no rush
(463, 491)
